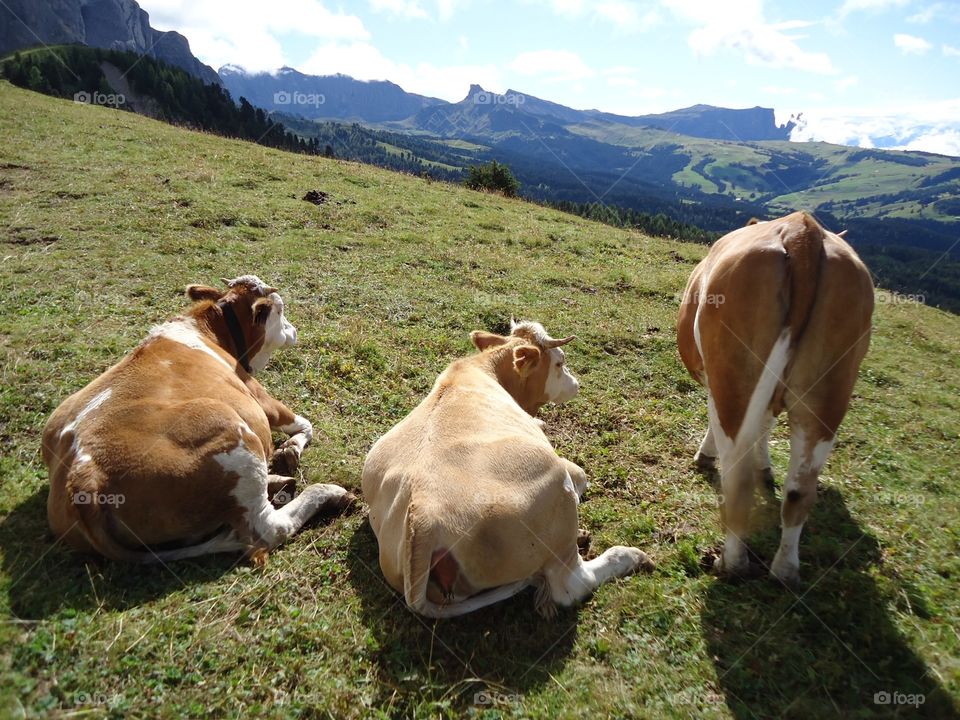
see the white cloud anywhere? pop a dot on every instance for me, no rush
(740, 26)
(363, 61)
(400, 8)
(556, 65)
(910, 44)
(950, 51)
(244, 32)
(414, 10)
(946, 11)
(944, 142)
(846, 83)
(931, 128)
(626, 16)
(850, 6)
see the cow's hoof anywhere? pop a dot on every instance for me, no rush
(344, 503)
(583, 541)
(641, 561)
(788, 575)
(285, 460)
(732, 568)
(705, 463)
(646, 563)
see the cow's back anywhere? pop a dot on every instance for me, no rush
(138, 445)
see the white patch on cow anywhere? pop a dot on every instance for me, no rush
(820, 453)
(299, 425)
(708, 446)
(278, 333)
(756, 419)
(561, 385)
(570, 487)
(272, 526)
(95, 402)
(722, 442)
(803, 459)
(250, 492)
(300, 432)
(696, 316)
(184, 330)
(82, 457)
(763, 444)
(787, 560)
(570, 585)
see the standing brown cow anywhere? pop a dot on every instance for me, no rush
(776, 317)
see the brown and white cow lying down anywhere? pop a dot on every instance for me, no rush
(776, 317)
(468, 499)
(164, 456)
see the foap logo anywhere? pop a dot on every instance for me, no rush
(494, 498)
(96, 97)
(882, 297)
(489, 98)
(489, 697)
(283, 97)
(86, 698)
(281, 498)
(717, 299)
(885, 697)
(901, 498)
(98, 498)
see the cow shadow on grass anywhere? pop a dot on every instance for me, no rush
(46, 577)
(828, 649)
(488, 658)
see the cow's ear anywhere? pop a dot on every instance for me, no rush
(261, 311)
(483, 340)
(525, 359)
(203, 292)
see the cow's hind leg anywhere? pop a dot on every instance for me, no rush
(741, 455)
(569, 583)
(810, 444)
(286, 458)
(264, 525)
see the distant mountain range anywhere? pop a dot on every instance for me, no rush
(108, 24)
(339, 97)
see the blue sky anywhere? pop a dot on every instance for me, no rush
(868, 72)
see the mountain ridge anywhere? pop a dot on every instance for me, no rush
(107, 24)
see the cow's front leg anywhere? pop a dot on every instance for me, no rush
(286, 458)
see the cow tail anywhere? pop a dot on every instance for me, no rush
(803, 245)
(417, 552)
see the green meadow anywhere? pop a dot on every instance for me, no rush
(106, 216)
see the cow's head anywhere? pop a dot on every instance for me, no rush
(530, 364)
(247, 319)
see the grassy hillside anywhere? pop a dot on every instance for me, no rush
(845, 181)
(106, 216)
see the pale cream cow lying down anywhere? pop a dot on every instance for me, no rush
(468, 499)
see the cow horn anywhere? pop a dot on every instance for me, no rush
(225, 281)
(558, 343)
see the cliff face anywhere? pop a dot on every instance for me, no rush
(111, 24)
